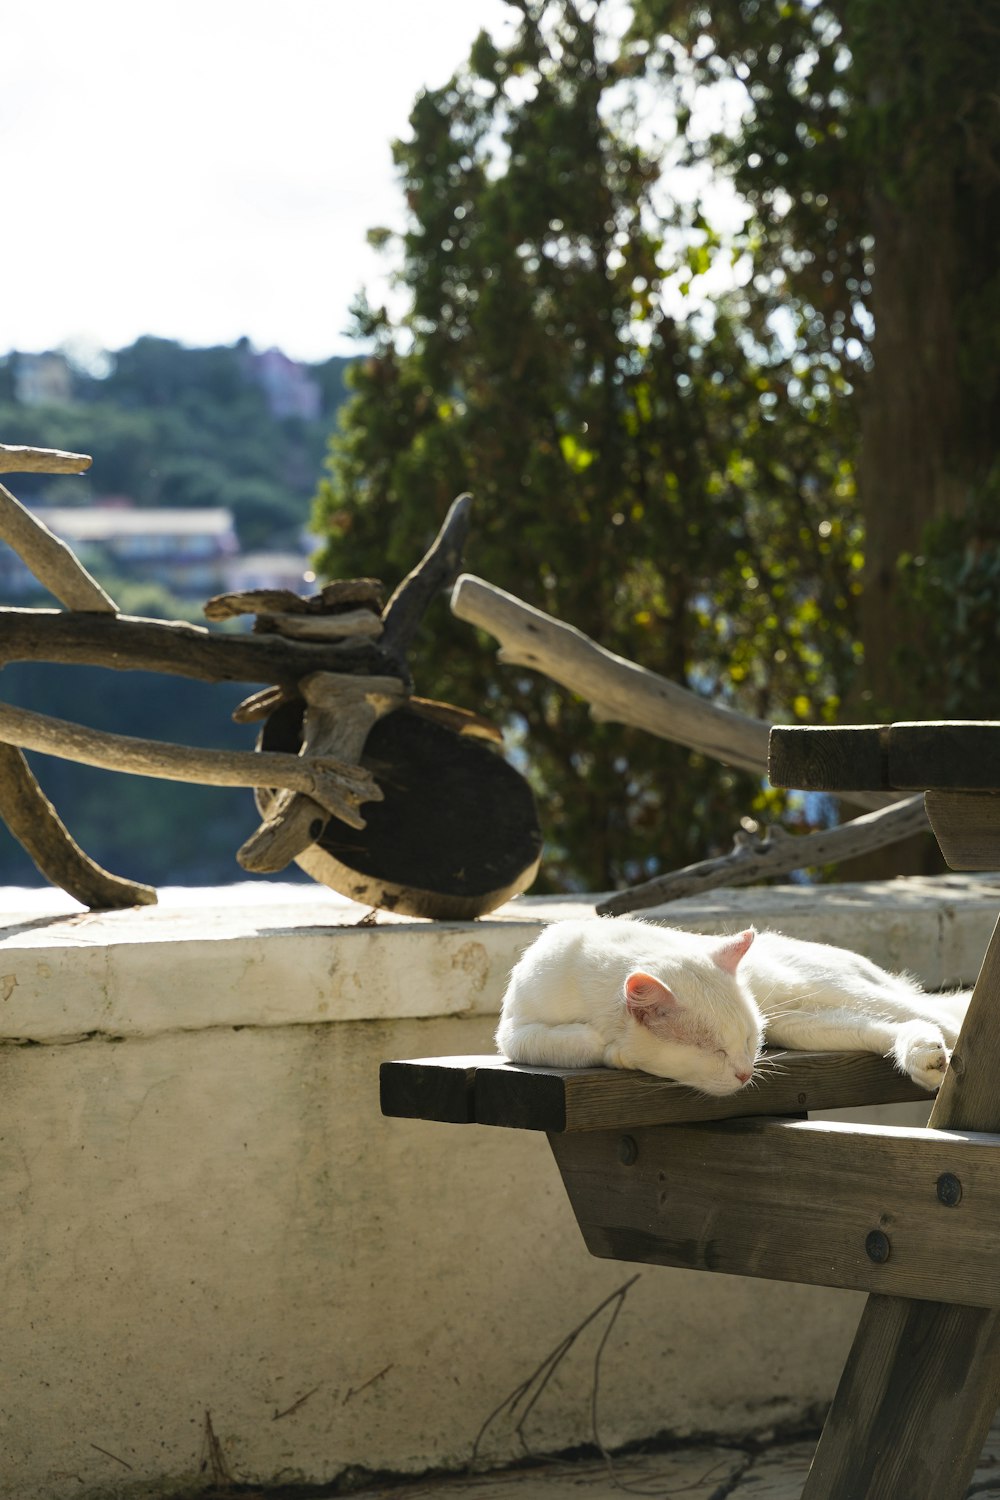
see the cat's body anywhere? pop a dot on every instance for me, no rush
(630, 994)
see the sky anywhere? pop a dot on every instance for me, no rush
(203, 170)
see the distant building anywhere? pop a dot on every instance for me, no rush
(42, 380)
(188, 551)
(270, 570)
(289, 389)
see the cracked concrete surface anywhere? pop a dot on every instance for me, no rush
(705, 1471)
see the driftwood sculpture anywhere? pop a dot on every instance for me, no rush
(459, 834)
(622, 692)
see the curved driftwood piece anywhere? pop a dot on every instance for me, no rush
(617, 689)
(338, 789)
(52, 562)
(339, 713)
(16, 459)
(777, 853)
(36, 825)
(336, 595)
(351, 625)
(436, 570)
(24, 807)
(133, 643)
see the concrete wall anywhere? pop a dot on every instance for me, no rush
(204, 1213)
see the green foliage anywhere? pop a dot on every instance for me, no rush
(678, 487)
(949, 595)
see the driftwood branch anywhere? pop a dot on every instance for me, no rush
(778, 853)
(133, 643)
(339, 713)
(437, 570)
(339, 789)
(36, 825)
(352, 624)
(52, 562)
(16, 459)
(617, 689)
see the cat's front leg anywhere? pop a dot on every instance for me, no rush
(919, 1050)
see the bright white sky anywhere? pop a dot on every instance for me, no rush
(205, 169)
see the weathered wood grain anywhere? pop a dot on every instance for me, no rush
(793, 1200)
(967, 827)
(588, 1099)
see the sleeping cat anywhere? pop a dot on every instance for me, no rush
(629, 994)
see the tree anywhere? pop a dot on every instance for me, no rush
(870, 156)
(668, 483)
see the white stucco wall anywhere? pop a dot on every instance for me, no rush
(203, 1211)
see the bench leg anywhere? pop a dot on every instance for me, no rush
(914, 1405)
(922, 1382)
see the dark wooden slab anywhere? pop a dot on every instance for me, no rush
(868, 1207)
(828, 760)
(945, 754)
(489, 1091)
(433, 1088)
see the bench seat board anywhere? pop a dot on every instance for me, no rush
(827, 1204)
(948, 755)
(489, 1091)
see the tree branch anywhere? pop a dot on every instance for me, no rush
(618, 689)
(36, 825)
(779, 853)
(132, 643)
(52, 562)
(15, 459)
(336, 787)
(436, 570)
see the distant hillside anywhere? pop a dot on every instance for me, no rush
(171, 426)
(168, 427)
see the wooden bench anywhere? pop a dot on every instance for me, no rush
(660, 1174)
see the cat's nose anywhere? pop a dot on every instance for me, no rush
(744, 1075)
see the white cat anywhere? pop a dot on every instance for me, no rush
(630, 994)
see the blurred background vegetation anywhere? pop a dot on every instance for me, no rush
(701, 302)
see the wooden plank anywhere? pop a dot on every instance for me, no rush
(951, 753)
(967, 827)
(848, 758)
(894, 1210)
(608, 1098)
(490, 1091)
(920, 1370)
(948, 754)
(432, 1088)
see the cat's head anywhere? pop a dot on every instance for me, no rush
(695, 1021)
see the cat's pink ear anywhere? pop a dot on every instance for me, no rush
(727, 954)
(647, 997)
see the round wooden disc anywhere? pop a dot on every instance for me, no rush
(456, 835)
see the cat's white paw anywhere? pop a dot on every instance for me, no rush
(922, 1054)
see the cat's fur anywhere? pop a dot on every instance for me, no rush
(629, 994)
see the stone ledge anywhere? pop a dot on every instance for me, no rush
(268, 954)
